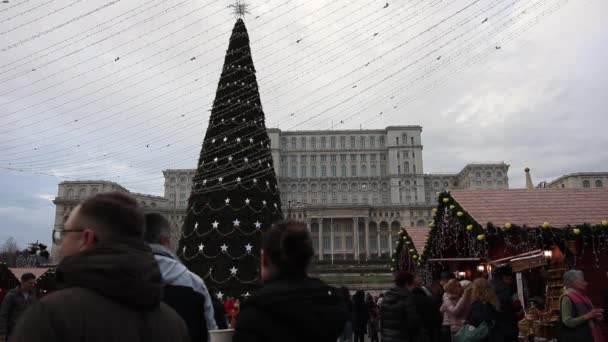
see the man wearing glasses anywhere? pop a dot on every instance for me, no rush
(112, 284)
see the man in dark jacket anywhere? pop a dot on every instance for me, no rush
(399, 320)
(506, 317)
(184, 291)
(15, 303)
(112, 287)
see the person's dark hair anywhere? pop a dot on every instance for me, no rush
(289, 246)
(404, 278)
(27, 276)
(157, 226)
(113, 215)
(359, 297)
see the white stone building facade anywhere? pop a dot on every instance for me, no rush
(579, 180)
(354, 188)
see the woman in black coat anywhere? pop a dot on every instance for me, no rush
(360, 316)
(483, 309)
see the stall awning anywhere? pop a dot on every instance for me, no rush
(18, 272)
(454, 259)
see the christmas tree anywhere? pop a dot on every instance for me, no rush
(235, 196)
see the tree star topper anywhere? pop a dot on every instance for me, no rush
(240, 8)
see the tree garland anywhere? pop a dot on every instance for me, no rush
(406, 256)
(455, 232)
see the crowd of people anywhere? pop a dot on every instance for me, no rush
(121, 281)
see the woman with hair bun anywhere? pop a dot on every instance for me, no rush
(290, 306)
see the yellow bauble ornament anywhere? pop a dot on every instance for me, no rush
(435, 210)
(459, 214)
(446, 200)
(411, 250)
(576, 231)
(415, 257)
(392, 269)
(508, 226)
(427, 238)
(431, 225)
(605, 223)
(470, 227)
(452, 207)
(438, 193)
(546, 225)
(481, 237)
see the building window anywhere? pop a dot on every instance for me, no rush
(383, 157)
(353, 170)
(372, 243)
(374, 171)
(478, 183)
(586, 184)
(352, 142)
(383, 242)
(372, 157)
(414, 167)
(412, 140)
(283, 171)
(323, 158)
(293, 143)
(313, 171)
(372, 142)
(353, 157)
(349, 242)
(326, 243)
(399, 169)
(82, 193)
(342, 142)
(323, 171)
(355, 199)
(599, 184)
(478, 174)
(323, 142)
(313, 159)
(498, 174)
(488, 174)
(363, 170)
(343, 171)
(182, 203)
(303, 171)
(363, 157)
(333, 142)
(303, 159)
(382, 170)
(333, 158)
(406, 167)
(381, 141)
(397, 141)
(182, 195)
(333, 171)
(362, 142)
(303, 143)
(337, 242)
(313, 143)
(284, 143)
(343, 157)
(283, 160)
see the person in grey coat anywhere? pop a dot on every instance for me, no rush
(184, 291)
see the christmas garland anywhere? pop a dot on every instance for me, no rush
(454, 230)
(406, 256)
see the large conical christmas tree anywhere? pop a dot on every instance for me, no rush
(235, 196)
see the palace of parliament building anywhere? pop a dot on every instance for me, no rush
(354, 188)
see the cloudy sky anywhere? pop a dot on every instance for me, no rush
(121, 90)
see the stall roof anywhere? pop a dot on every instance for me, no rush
(533, 207)
(18, 272)
(418, 235)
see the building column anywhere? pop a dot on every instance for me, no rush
(356, 237)
(378, 241)
(367, 237)
(321, 247)
(390, 242)
(331, 237)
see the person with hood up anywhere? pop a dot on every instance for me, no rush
(111, 287)
(399, 320)
(184, 291)
(506, 319)
(290, 306)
